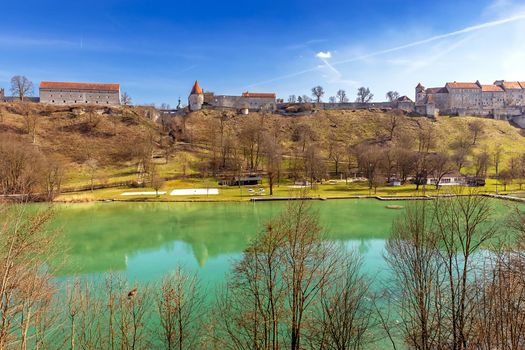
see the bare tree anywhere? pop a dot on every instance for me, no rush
(31, 124)
(345, 309)
(26, 249)
(439, 166)
(463, 225)
(272, 153)
(292, 99)
(336, 153)
(179, 303)
(432, 255)
(271, 297)
(332, 99)
(317, 93)
(133, 313)
(412, 254)
(393, 121)
(22, 168)
(21, 87)
(369, 158)
(476, 130)
(364, 95)
(392, 96)
(482, 163)
(303, 134)
(155, 180)
(341, 96)
(506, 176)
(125, 99)
(461, 150)
(250, 139)
(314, 167)
(91, 167)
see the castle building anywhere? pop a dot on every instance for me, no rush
(63, 93)
(248, 101)
(500, 100)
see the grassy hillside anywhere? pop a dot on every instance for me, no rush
(111, 137)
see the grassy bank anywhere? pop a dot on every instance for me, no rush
(329, 190)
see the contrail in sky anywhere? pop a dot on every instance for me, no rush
(466, 30)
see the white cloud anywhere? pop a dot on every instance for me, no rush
(324, 55)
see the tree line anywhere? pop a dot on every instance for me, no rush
(364, 95)
(391, 154)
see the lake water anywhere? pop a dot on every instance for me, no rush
(144, 241)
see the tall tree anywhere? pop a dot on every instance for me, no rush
(272, 158)
(272, 300)
(364, 95)
(21, 87)
(416, 269)
(317, 93)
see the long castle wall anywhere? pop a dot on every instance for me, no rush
(240, 102)
(63, 97)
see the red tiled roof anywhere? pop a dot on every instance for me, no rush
(522, 83)
(436, 90)
(79, 86)
(404, 99)
(456, 85)
(511, 85)
(196, 89)
(491, 88)
(259, 94)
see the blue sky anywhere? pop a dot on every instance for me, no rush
(156, 49)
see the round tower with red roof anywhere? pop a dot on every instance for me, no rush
(196, 98)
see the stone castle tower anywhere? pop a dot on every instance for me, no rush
(420, 93)
(196, 98)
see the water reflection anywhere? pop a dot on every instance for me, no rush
(125, 236)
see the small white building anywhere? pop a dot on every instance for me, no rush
(452, 178)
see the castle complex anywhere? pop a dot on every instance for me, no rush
(248, 101)
(501, 100)
(79, 93)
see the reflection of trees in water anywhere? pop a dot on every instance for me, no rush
(364, 246)
(200, 251)
(99, 235)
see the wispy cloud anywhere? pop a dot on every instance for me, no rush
(471, 29)
(305, 44)
(466, 30)
(18, 41)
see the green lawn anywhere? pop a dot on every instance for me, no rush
(227, 193)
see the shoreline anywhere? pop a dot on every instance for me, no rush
(280, 199)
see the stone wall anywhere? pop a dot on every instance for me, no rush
(68, 97)
(240, 102)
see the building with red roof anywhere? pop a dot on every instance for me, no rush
(247, 101)
(67, 93)
(466, 98)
